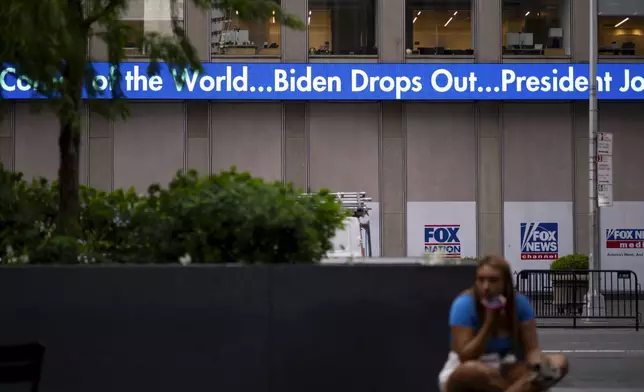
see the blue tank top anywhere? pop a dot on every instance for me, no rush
(463, 314)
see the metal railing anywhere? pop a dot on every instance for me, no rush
(561, 298)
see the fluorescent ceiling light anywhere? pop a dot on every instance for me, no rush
(527, 13)
(419, 12)
(415, 19)
(450, 19)
(622, 22)
(455, 12)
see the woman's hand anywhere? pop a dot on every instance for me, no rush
(494, 306)
(494, 303)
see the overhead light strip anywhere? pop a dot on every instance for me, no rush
(622, 22)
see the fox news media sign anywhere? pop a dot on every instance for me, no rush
(539, 241)
(443, 239)
(625, 242)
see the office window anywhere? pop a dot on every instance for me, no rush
(342, 27)
(620, 28)
(536, 27)
(149, 16)
(233, 37)
(439, 27)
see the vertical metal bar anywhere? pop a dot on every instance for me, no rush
(592, 136)
(595, 297)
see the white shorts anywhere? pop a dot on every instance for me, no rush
(453, 362)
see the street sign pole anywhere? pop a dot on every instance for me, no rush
(594, 303)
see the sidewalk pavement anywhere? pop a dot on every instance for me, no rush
(600, 360)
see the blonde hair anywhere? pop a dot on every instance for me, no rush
(500, 264)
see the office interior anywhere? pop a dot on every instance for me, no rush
(530, 27)
(621, 35)
(340, 27)
(432, 28)
(621, 27)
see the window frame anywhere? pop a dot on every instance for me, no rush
(408, 12)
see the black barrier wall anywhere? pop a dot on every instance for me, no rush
(234, 329)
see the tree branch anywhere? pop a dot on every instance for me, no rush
(109, 8)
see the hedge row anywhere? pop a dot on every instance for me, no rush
(230, 217)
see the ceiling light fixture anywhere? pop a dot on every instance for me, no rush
(622, 22)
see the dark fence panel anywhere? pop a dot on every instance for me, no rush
(560, 298)
(233, 329)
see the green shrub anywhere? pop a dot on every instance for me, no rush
(570, 262)
(230, 217)
(27, 215)
(233, 217)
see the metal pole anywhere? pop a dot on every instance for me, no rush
(592, 138)
(595, 304)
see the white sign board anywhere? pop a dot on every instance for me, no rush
(605, 195)
(537, 233)
(622, 238)
(604, 143)
(604, 169)
(448, 228)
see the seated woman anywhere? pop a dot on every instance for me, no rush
(492, 326)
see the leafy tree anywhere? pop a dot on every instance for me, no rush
(45, 43)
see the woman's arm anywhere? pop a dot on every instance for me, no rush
(467, 344)
(528, 327)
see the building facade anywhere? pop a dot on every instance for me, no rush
(496, 163)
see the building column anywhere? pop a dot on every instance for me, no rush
(101, 152)
(295, 141)
(295, 155)
(197, 25)
(580, 194)
(565, 17)
(487, 29)
(489, 203)
(6, 137)
(295, 43)
(390, 31)
(580, 41)
(392, 181)
(198, 143)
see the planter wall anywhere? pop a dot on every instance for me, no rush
(234, 329)
(568, 291)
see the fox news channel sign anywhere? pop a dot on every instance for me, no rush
(443, 239)
(539, 241)
(361, 82)
(626, 242)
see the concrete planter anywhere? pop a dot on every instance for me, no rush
(288, 328)
(568, 291)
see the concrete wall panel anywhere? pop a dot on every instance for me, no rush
(344, 147)
(538, 152)
(149, 147)
(441, 152)
(249, 136)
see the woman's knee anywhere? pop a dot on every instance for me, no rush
(559, 361)
(474, 375)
